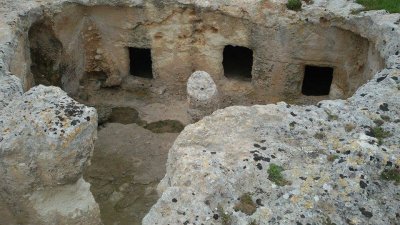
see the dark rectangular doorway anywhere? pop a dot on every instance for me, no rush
(140, 62)
(317, 80)
(238, 62)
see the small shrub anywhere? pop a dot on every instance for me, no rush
(385, 118)
(379, 133)
(294, 5)
(379, 122)
(349, 127)
(275, 175)
(391, 175)
(319, 135)
(253, 223)
(332, 158)
(225, 217)
(246, 205)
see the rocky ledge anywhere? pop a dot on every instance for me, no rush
(46, 140)
(333, 163)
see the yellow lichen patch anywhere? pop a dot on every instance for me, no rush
(309, 204)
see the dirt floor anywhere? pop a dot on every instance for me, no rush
(127, 165)
(134, 136)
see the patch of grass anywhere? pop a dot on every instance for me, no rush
(385, 118)
(349, 127)
(275, 175)
(319, 135)
(246, 205)
(379, 133)
(332, 158)
(392, 6)
(225, 217)
(294, 5)
(379, 122)
(391, 175)
(253, 223)
(328, 221)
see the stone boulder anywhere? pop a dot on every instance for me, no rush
(202, 95)
(46, 140)
(334, 163)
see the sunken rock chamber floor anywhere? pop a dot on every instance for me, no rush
(330, 162)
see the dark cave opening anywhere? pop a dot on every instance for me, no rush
(238, 62)
(317, 80)
(140, 62)
(45, 53)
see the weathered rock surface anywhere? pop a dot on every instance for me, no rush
(331, 154)
(46, 140)
(202, 95)
(10, 88)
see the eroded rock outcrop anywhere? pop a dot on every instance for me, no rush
(10, 88)
(314, 164)
(46, 140)
(331, 163)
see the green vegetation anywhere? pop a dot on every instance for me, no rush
(385, 118)
(392, 6)
(328, 221)
(391, 175)
(253, 223)
(246, 205)
(294, 5)
(349, 127)
(332, 158)
(379, 122)
(275, 175)
(319, 135)
(225, 217)
(380, 134)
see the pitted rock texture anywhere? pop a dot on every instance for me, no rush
(203, 96)
(10, 88)
(46, 140)
(331, 175)
(332, 163)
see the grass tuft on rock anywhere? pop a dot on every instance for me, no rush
(275, 175)
(294, 5)
(253, 223)
(246, 205)
(332, 158)
(392, 6)
(319, 135)
(380, 134)
(391, 175)
(225, 217)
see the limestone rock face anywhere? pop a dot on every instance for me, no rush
(10, 88)
(202, 95)
(46, 140)
(331, 161)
